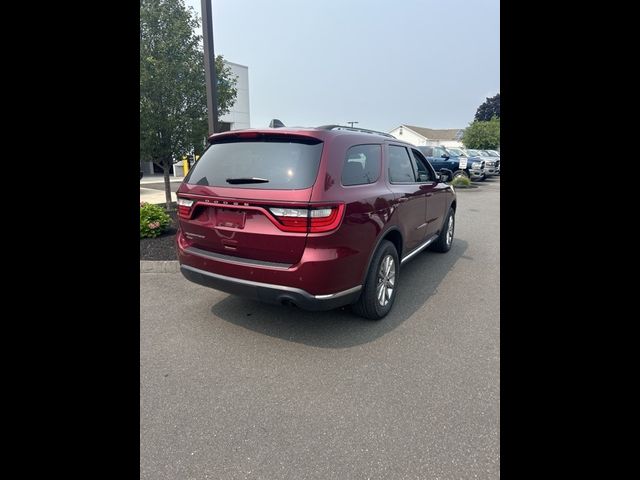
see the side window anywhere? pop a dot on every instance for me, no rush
(361, 165)
(428, 151)
(438, 152)
(423, 167)
(400, 169)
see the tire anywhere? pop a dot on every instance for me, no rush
(445, 239)
(483, 177)
(459, 173)
(368, 305)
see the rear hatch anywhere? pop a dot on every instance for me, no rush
(248, 197)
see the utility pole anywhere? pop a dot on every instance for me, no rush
(210, 65)
(352, 123)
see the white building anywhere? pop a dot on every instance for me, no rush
(238, 116)
(426, 136)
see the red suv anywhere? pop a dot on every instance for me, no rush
(315, 217)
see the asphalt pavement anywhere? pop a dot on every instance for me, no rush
(232, 389)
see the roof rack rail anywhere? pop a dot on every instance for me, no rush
(354, 129)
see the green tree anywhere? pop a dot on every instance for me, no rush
(173, 102)
(482, 135)
(489, 109)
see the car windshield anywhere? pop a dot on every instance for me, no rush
(493, 153)
(474, 153)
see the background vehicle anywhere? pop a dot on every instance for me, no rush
(490, 163)
(441, 157)
(495, 153)
(315, 217)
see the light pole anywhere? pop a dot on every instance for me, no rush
(210, 65)
(352, 123)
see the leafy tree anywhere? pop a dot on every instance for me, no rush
(489, 109)
(482, 135)
(173, 102)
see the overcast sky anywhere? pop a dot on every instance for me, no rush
(428, 63)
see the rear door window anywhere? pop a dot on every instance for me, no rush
(273, 162)
(362, 165)
(400, 168)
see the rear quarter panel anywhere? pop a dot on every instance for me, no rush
(368, 211)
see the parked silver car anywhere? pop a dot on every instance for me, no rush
(495, 154)
(491, 164)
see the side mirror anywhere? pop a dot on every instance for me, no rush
(445, 175)
(445, 156)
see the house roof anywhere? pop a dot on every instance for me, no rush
(431, 134)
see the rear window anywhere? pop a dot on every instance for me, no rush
(362, 165)
(265, 162)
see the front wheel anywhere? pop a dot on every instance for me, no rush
(445, 239)
(379, 291)
(459, 173)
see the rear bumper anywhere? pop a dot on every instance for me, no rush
(270, 293)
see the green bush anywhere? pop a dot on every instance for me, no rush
(153, 220)
(461, 181)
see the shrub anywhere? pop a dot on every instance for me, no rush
(461, 181)
(153, 220)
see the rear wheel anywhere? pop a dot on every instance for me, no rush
(445, 239)
(379, 291)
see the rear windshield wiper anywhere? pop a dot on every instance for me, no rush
(236, 181)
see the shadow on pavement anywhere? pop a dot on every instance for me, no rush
(419, 280)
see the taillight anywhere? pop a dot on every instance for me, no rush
(325, 219)
(184, 207)
(294, 219)
(320, 219)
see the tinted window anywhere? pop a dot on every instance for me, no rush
(288, 163)
(427, 151)
(362, 165)
(400, 169)
(423, 169)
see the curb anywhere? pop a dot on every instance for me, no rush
(159, 266)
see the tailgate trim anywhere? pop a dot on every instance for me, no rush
(236, 260)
